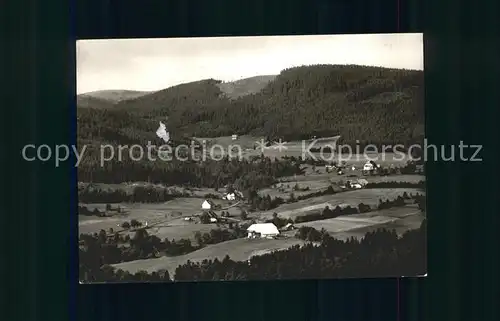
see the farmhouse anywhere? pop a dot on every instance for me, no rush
(207, 205)
(230, 196)
(263, 230)
(356, 184)
(368, 166)
(234, 137)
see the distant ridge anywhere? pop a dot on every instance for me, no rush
(114, 95)
(246, 86)
(369, 105)
(231, 90)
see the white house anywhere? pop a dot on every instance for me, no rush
(263, 230)
(207, 205)
(368, 166)
(230, 197)
(234, 137)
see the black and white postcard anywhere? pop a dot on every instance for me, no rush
(251, 158)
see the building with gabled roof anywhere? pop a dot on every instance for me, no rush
(207, 205)
(263, 230)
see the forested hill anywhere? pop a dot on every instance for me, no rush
(114, 96)
(369, 104)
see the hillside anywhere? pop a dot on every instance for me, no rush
(247, 86)
(114, 96)
(368, 104)
(87, 101)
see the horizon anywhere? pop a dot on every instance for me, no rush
(135, 64)
(223, 81)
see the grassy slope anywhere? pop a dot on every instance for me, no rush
(352, 198)
(360, 223)
(400, 219)
(239, 250)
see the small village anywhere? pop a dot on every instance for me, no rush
(211, 212)
(327, 200)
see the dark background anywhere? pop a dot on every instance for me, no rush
(38, 87)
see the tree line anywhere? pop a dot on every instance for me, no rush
(150, 194)
(266, 203)
(107, 247)
(139, 194)
(378, 254)
(215, 174)
(368, 104)
(394, 184)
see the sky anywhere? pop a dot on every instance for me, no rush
(155, 64)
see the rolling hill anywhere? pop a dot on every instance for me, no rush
(247, 86)
(114, 96)
(366, 104)
(88, 101)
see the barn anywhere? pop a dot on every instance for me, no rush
(263, 230)
(207, 205)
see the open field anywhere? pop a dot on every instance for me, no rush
(284, 189)
(399, 225)
(310, 175)
(143, 212)
(178, 229)
(249, 143)
(238, 250)
(244, 141)
(297, 150)
(320, 182)
(129, 188)
(401, 219)
(170, 215)
(352, 198)
(172, 212)
(407, 217)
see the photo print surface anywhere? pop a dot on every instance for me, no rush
(251, 158)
